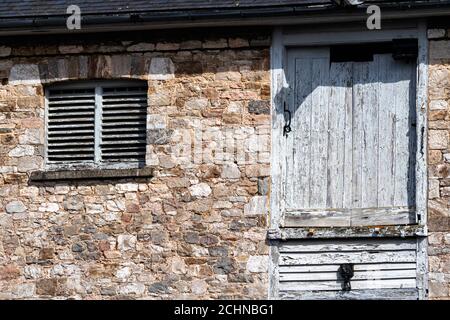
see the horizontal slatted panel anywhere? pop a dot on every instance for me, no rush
(123, 132)
(312, 266)
(363, 294)
(71, 125)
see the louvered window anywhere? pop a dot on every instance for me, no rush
(96, 123)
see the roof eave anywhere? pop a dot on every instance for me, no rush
(218, 18)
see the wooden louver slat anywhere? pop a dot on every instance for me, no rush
(100, 123)
(71, 125)
(124, 112)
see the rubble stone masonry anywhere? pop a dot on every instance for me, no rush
(196, 229)
(439, 164)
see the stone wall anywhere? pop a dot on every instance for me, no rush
(439, 164)
(195, 230)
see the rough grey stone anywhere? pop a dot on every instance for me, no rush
(263, 186)
(142, 46)
(156, 121)
(196, 104)
(126, 242)
(5, 51)
(159, 287)
(158, 237)
(109, 291)
(159, 136)
(256, 206)
(436, 33)
(31, 136)
(224, 266)
(28, 163)
(218, 251)
(15, 207)
(74, 203)
(132, 288)
(208, 240)
(26, 290)
(191, 237)
(200, 190)
(240, 278)
(438, 139)
(231, 171)
(78, 247)
(259, 107)
(438, 105)
(257, 264)
(66, 49)
(161, 69)
(199, 287)
(24, 74)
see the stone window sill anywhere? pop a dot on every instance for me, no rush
(91, 174)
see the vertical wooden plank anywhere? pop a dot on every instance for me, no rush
(277, 53)
(348, 141)
(340, 76)
(369, 178)
(421, 157)
(402, 134)
(302, 133)
(319, 132)
(290, 149)
(422, 125)
(386, 133)
(274, 270)
(360, 75)
(412, 137)
(277, 97)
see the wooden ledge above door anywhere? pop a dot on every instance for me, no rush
(347, 232)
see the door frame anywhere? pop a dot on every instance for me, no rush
(285, 37)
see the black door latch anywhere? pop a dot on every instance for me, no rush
(346, 272)
(287, 126)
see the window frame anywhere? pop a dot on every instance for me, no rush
(97, 86)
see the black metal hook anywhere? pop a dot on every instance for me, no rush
(346, 271)
(287, 126)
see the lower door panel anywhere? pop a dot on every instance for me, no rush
(381, 269)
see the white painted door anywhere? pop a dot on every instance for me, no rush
(349, 159)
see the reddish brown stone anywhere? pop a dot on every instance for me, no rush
(46, 253)
(8, 139)
(127, 217)
(133, 207)
(46, 287)
(192, 260)
(9, 272)
(104, 245)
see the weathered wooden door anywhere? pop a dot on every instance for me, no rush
(349, 158)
